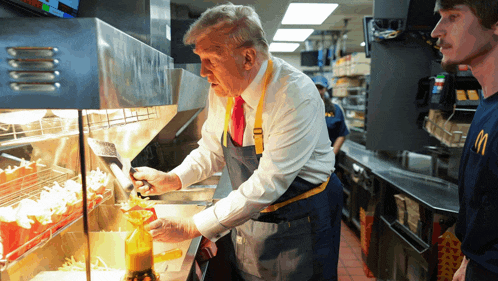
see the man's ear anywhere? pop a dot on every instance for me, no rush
(495, 28)
(249, 58)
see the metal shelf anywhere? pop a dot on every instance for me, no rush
(473, 103)
(354, 118)
(448, 139)
(352, 89)
(64, 123)
(355, 108)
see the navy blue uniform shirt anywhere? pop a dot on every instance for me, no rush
(477, 225)
(336, 125)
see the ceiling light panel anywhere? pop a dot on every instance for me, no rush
(290, 34)
(283, 47)
(308, 13)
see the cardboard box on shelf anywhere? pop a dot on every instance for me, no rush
(413, 210)
(359, 57)
(339, 92)
(400, 202)
(347, 82)
(473, 95)
(359, 69)
(461, 95)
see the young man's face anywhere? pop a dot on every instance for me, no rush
(222, 68)
(463, 40)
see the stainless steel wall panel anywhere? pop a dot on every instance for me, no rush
(184, 85)
(160, 25)
(146, 20)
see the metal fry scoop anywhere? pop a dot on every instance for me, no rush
(107, 152)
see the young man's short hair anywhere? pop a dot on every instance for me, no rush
(485, 10)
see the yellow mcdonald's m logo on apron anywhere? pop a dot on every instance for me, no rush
(481, 142)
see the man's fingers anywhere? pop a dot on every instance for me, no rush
(154, 233)
(138, 183)
(139, 175)
(154, 225)
(144, 190)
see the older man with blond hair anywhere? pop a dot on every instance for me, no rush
(266, 124)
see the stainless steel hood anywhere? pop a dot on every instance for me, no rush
(80, 63)
(87, 64)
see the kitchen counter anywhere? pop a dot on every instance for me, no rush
(412, 179)
(436, 194)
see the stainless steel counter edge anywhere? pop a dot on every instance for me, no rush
(439, 195)
(187, 266)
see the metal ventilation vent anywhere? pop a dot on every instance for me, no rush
(34, 69)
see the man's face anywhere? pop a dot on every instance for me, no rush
(463, 40)
(223, 68)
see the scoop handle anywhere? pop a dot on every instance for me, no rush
(146, 183)
(123, 180)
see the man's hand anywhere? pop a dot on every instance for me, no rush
(173, 230)
(460, 273)
(160, 182)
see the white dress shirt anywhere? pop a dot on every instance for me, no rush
(296, 143)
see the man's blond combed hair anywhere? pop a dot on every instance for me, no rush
(240, 23)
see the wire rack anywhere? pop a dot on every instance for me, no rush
(30, 187)
(105, 119)
(65, 123)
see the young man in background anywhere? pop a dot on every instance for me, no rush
(468, 34)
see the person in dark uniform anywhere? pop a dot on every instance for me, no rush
(266, 124)
(468, 34)
(334, 116)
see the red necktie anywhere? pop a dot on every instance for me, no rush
(238, 121)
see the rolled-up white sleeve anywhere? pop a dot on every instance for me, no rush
(209, 225)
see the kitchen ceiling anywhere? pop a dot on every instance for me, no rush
(272, 12)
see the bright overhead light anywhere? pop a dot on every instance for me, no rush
(362, 44)
(308, 13)
(290, 34)
(283, 47)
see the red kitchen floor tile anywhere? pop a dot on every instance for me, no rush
(350, 266)
(362, 278)
(341, 271)
(352, 263)
(349, 256)
(355, 271)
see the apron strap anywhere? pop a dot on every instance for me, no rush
(227, 117)
(305, 195)
(258, 122)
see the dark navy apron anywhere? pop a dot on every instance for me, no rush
(296, 241)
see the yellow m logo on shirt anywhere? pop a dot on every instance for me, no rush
(481, 141)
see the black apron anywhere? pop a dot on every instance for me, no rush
(297, 241)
